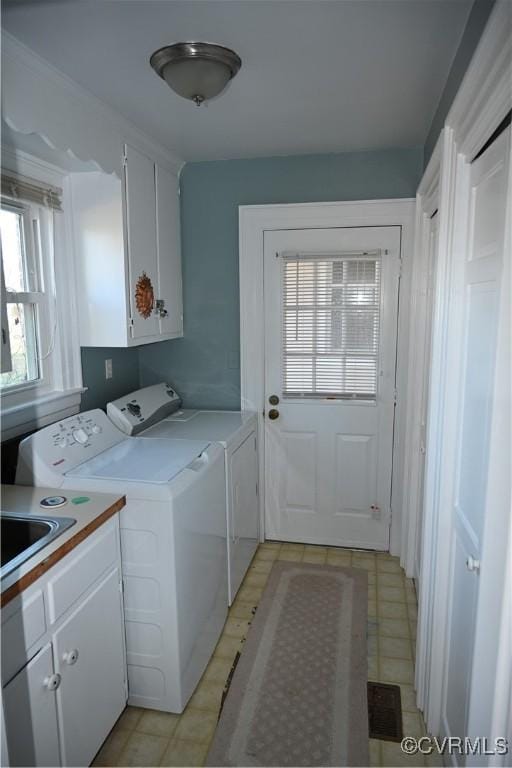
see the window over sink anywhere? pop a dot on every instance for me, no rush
(40, 378)
(25, 302)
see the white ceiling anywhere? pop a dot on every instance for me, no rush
(317, 75)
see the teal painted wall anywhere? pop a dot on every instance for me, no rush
(125, 375)
(477, 19)
(204, 365)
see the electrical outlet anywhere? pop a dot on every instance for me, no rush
(108, 368)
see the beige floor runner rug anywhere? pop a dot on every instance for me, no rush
(298, 695)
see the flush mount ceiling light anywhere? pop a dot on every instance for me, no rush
(196, 71)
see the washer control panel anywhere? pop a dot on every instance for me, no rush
(143, 408)
(64, 445)
(80, 429)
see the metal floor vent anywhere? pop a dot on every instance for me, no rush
(384, 712)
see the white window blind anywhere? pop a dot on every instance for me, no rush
(331, 324)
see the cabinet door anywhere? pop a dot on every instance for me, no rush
(89, 654)
(31, 714)
(141, 242)
(244, 511)
(169, 253)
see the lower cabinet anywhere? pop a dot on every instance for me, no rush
(90, 662)
(30, 710)
(60, 706)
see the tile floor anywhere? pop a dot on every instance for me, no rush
(149, 738)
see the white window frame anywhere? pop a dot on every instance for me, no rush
(57, 393)
(37, 256)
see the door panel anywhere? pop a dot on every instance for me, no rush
(476, 415)
(141, 226)
(461, 639)
(300, 449)
(169, 252)
(356, 487)
(31, 714)
(329, 453)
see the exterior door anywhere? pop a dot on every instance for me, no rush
(331, 310)
(481, 287)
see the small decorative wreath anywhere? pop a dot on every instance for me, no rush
(144, 296)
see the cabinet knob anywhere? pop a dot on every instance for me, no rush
(71, 657)
(52, 682)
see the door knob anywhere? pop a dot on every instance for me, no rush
(71, 657)
(273, 414)
(273, 399)
(52, 682)
(472, 564)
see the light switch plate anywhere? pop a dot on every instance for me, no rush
(108, 368)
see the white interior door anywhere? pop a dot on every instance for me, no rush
(331, 310)
(433, 240)
(481, 286)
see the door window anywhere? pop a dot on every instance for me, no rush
(330, 325)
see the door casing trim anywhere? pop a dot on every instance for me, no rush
(254, 221)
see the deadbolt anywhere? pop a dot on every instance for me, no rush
(273, 399)
(273, 414)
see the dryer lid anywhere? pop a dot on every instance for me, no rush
(216, 426)
(137, 459)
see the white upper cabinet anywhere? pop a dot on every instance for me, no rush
(127, 244)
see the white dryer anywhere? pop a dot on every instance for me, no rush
(173, 542)
(155, 412)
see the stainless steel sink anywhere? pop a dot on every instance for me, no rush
(25, 535)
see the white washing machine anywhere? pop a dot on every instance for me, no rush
(173, 542)
(155, 412)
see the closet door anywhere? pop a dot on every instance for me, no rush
(481, 290)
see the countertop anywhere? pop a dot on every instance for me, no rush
(89, 516)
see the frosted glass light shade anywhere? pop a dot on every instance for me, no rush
(196, 71)
(197, 78)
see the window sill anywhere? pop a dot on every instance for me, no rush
(39, 411)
